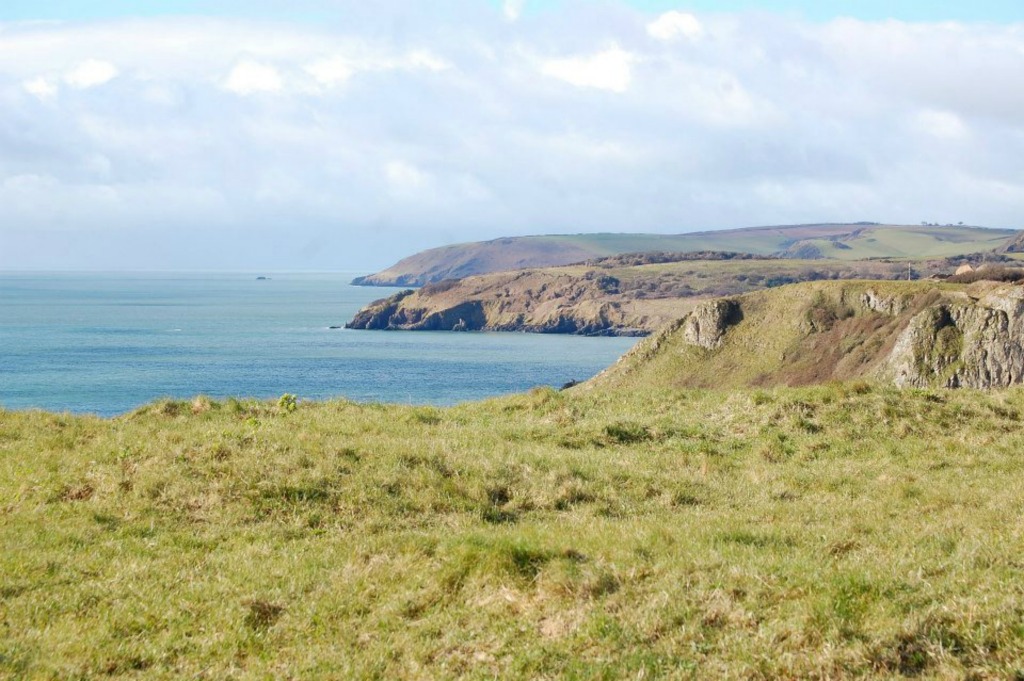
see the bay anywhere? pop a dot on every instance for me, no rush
(107, 343)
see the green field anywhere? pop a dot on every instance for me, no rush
(833, 532)
(913, 242)
(833, 241)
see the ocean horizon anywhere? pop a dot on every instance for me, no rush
(108, 342)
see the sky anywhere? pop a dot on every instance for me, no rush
(343, 135)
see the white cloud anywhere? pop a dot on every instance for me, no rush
(250, 77)
(339, 69)
(607, 70)
(333, 71)
(673, 25)
(427, 61)
(941, 124)
(90, 73)
(404, 177)
(513, 9)
(40, 87)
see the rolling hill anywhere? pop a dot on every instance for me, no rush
(838, 241)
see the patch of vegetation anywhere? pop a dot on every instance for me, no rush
(845, 530)
(823, 312)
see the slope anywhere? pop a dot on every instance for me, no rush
(843, 241)
(911, 334)
(832, 532)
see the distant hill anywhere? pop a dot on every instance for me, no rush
(834, 241)
(911, 334)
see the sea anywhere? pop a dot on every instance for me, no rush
(107, 343)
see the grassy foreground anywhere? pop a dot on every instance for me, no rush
(830, 532)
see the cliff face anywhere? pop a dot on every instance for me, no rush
(605, 297)
(975, 343)
(909, 334)
(537, 302)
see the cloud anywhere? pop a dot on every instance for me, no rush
(609, 70)
(340, 69)
(674, 25)
(426, 61)
(513, 9)
(250, 77)
(40, 87)
(333, 71)
(90, 73)
(404, 177)
(941, 124)
(407, 127)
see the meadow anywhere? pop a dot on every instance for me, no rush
(839, 531)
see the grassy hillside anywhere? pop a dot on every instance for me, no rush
(834, 532)
(912, 242)
(846, 242)
(837, 330)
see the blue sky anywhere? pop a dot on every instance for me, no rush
(1002, 11)
(346, 134)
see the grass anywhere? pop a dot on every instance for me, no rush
(843, 242)
(803, 334)
(831, 532)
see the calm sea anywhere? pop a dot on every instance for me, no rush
(107, 343)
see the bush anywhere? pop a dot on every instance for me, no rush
(288, 403)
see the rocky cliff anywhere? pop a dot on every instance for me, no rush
(969, 342)
(530, 301)
(911, 334)
(624, 295)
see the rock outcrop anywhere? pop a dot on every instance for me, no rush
(891, 306)
(706, 325)
(969, 344)
(535, 302)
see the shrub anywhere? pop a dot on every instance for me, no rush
(288, 403)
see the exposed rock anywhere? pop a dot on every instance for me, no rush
(378, 314)
(707, 324)
(963, 345)
(963, 269)
(890, 305)
(389, 315)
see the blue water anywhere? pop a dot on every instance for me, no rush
(107, 343)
